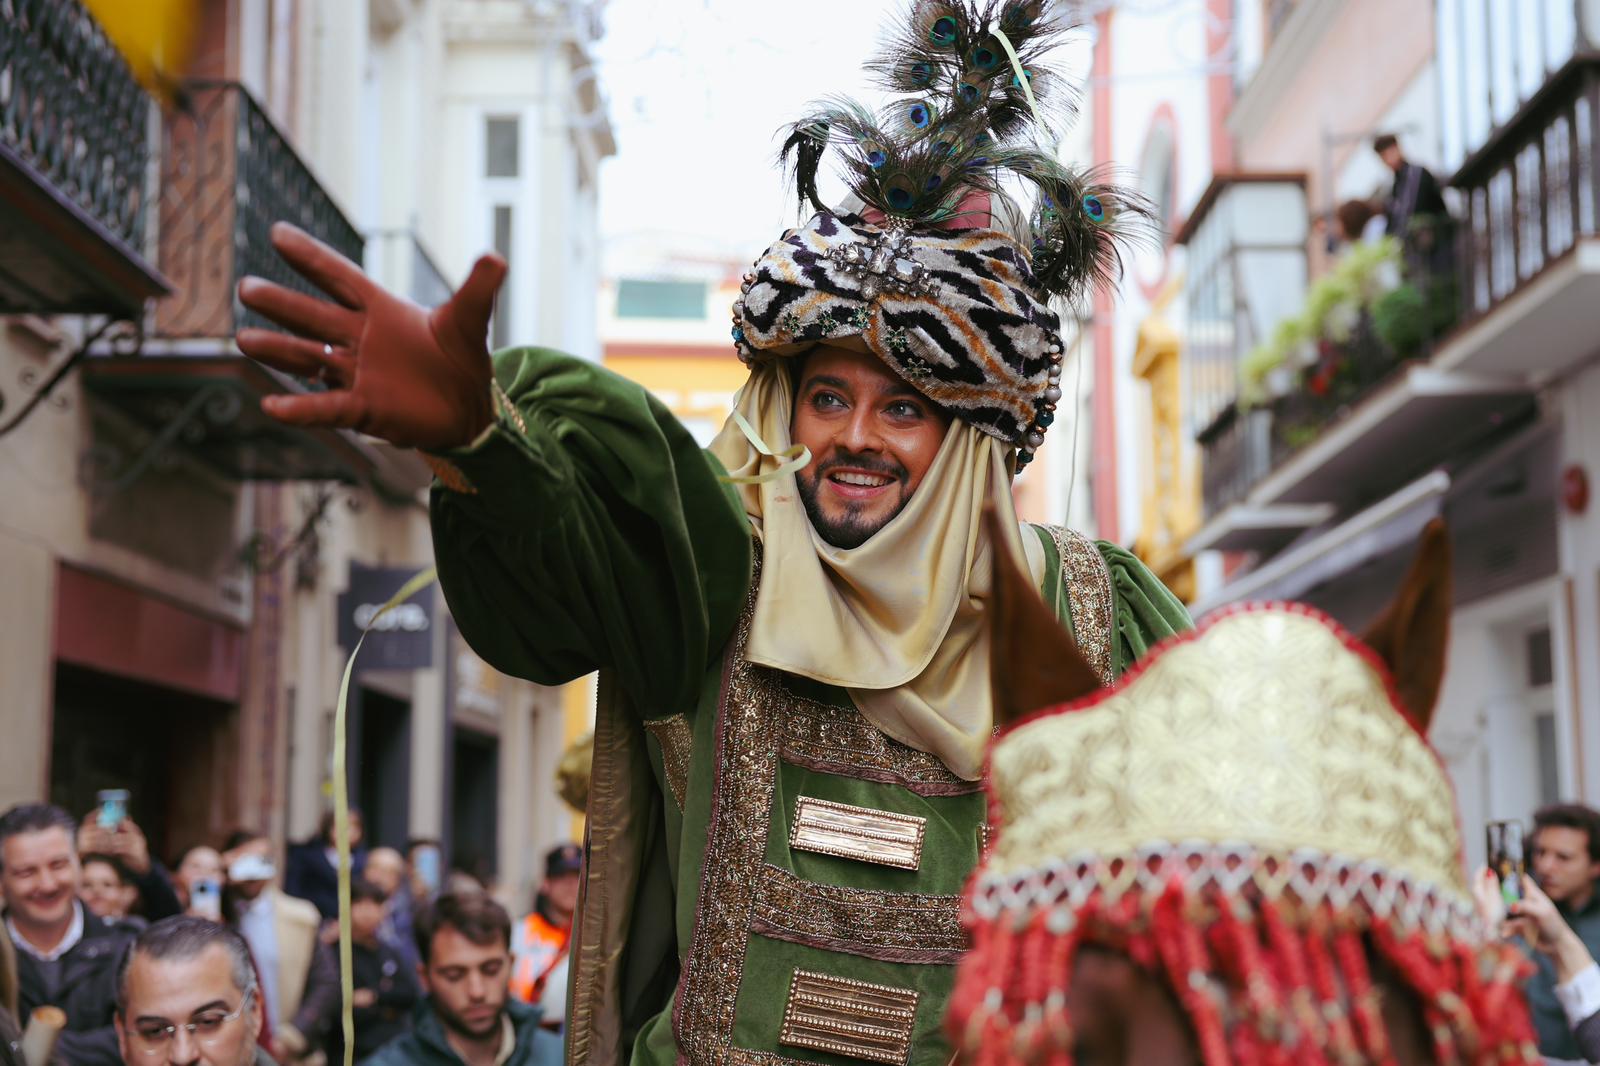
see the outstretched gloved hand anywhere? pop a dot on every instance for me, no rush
(413, 377)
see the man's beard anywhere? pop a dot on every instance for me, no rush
(853, 528)
(452, 1020)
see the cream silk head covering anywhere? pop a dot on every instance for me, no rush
(897, 621)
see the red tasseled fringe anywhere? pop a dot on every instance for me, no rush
(1262, 982)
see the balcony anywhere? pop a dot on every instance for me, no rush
(1345, 401)
(228, 173)
(74, 145)
(1530, 256)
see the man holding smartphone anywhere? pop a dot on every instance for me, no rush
(65, 957)
(1565, 854)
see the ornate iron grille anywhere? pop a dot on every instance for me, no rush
(227, 174)
(71, 110)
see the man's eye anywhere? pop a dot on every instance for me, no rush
(452, 974)
(490, 969)
(152, 1032)
(905, 409)
(826, 399)
(208, 1023)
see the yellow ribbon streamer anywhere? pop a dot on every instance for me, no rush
(795, 457)
(1022, 75)
(341, 811)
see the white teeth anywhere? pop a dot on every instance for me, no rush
(868, 480)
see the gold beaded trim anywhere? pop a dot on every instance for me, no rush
(677, 749)
(906, 927)
(449, 474)
(1088, 583)
(846, 831)
(507, 408)
(847, 1017)
(837, 740)
(744, 776)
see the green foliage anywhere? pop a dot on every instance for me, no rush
(1333, 306)
(1400, 319)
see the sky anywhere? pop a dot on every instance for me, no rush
(698, 90)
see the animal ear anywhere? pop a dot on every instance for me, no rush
(1413, 633)
(1033, 663)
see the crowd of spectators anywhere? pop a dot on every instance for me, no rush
(221, 960)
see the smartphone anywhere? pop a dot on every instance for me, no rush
(427, 861)
(205, 899)
(113, 807)
(1504, 850)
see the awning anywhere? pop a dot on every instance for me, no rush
(211, 406)
(1386, 526)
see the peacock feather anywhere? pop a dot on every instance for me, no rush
(959, 121)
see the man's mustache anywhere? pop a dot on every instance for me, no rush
(864, 463)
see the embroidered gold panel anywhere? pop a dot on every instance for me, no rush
(845, 831)
(676, 738)
(1087, 580)
(888, 926)
(837, 740)
(852, 1018)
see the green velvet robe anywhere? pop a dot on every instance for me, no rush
(587, 530)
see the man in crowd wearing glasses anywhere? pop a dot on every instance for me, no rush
(187, 995)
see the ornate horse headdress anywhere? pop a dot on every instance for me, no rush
(1255, 813)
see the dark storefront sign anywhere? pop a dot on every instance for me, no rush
(402, 639)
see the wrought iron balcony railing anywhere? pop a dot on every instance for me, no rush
(74, 144)
(71, 109)
(1530, 192)
(227, 174)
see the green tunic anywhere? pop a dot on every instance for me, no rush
(591, 532)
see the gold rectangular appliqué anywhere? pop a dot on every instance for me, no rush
(853, 1018)
(859, 833)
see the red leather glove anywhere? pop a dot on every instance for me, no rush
(413, 377)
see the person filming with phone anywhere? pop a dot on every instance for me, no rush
(1556, 914)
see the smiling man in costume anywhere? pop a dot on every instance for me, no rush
(794, 706)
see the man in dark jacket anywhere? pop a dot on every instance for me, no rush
(1565, 850)
(66, 957)
(313, 870)
(468, 1017)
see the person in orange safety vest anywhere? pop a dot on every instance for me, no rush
(539, 941)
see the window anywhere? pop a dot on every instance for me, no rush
(660, 299)
(501, 330)
(501, 141)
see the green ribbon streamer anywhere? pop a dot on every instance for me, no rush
(795, 457)
(341, 811)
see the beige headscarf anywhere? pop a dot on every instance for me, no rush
(898, 621)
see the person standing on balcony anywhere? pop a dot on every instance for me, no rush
(786, 795)
(1416, 213)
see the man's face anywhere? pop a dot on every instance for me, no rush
(1561, 863)
(40, 877)
(872, 438)
(103, 891)
(562, 892)
(175, 992)
(385, 869)
(1391, 157)
(467, 982)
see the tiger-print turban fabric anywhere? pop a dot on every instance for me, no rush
(953, 312)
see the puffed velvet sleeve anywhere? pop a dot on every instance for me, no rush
(587, 529)
(1144, 612)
